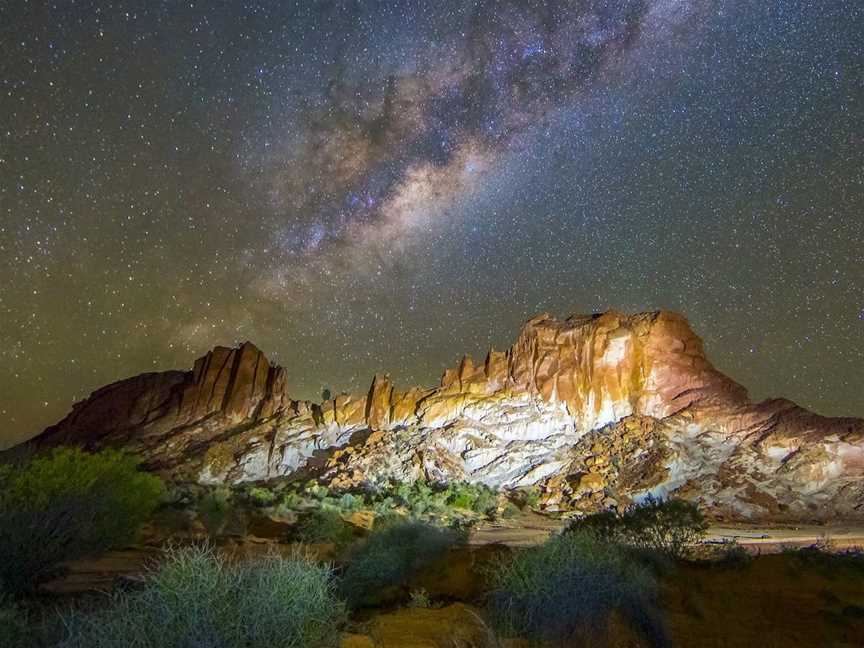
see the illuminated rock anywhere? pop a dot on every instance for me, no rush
(595, 410)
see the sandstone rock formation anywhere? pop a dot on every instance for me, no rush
(594, 409)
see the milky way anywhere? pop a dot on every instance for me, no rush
(359, 187)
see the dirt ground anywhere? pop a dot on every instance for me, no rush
(529, 528)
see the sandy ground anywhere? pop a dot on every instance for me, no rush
(530, 529)
(768, 539)
(524, 530)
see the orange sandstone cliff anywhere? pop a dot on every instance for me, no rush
(594, 409)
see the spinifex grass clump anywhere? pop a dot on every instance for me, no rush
(389, 556)
(65, 505)
(573, 586)
(198, 599)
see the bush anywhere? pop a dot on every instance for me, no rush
(15, 631)
(262, 496)
(65, 505)
(733, 554)
(326, 526)
(475, 497)
(198, 599)
(389, 556)
(421, 499)
(830, 562)
(420, 599)
(666, 526)
(214, 510)
(527, 498)
(425, 500)
(572, 586)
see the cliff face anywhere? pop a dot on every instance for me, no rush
(595, 410)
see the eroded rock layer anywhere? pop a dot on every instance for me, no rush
(596, 410)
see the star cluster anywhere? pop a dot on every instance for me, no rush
(362, 187)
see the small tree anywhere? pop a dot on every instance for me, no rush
(571, 587)
(389, 556)
(65, 505)
(667, 526)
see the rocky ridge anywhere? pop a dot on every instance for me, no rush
(594, 409)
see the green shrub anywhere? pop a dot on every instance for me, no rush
(214, 509)
(67, 504)
(197, 598)
(428, 501)
(733, 554)
(290, 501)
(420, 599)
(510, 511)
(384, 507)
(389, 556)
(326, 526)
(315, 490)
(475, 497)
(669, 527)
(262, 496)
(421, 499)
(351, 502)
(571, 586)
(527, 497)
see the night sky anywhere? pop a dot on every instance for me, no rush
(368, 186)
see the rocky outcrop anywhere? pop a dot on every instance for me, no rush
(594, 410)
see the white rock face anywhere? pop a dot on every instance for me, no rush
(595, 410)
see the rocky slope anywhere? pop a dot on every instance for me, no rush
(596, 410)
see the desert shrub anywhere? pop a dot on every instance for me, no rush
(827, 560)
(733, 554)
(289, 503)
(527, 497)
(475, 497)
(15, 630)
(314, 490)
(389, 556)
(196, 598)
(383, 506)
(325, 526)
(510, 510)
(420, 599)
(67, 504)
(424, 500)
(214, 509)
(571, 586)
(351, 502)
(421, 499)
(262, 496)
(669, 527)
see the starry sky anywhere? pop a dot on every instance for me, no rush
(367, 186)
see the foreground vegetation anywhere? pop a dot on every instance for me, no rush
(65, 505)
(618, 577)
(570, 587)
(197, 597)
